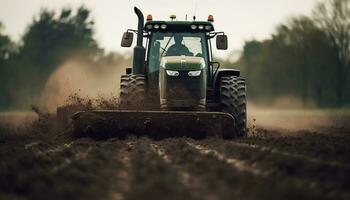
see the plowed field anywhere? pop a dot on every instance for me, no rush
(274, 162)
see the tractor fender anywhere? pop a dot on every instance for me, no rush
(223, 72)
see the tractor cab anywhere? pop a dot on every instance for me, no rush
(179, 40)
(178, 63)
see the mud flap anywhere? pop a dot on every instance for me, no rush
(157, 124)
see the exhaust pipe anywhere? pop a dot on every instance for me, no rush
(139, 50)
(139, 25)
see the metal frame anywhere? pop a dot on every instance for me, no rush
(213, 34)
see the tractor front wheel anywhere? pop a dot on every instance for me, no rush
(132, 92)
(233, 101)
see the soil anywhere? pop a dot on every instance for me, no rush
(40, 161)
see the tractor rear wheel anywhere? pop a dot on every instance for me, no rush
(233, 101)
(132, 92)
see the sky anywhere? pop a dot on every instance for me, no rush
(241, 20)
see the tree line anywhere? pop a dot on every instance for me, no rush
(49, 40)
(307, 57)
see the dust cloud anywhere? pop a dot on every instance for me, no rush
(17, 118)
(83, 79)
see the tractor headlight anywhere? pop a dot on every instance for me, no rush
(193, 27)
(194, 73)
(149, 27)
(156, 26)
(172, 73)
(200, 27)
(208, 28)
(163, 26)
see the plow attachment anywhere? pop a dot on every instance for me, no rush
(157, 124)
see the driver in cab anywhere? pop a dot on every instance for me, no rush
(178, 49)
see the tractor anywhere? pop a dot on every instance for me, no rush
(174, 87)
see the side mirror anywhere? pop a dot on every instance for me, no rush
(221, 42)
(127, 39)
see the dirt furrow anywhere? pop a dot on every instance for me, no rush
(332, 148)
(224, 181)
(314, 175)
(240, 165)
(190, 182)
(291, 155)
(160, 152)
(121, 185)
(84, 169)
(100, 164)
(151, 176)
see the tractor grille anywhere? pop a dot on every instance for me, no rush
(185, 87)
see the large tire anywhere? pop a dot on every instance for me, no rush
(233, 101)
(132, 92)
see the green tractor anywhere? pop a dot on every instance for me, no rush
(174, 87)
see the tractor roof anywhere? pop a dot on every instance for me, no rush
(187, 26)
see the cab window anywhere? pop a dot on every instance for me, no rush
(175, 44)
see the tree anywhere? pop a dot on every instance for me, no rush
(49, 41)
(311, 55)
(297, 61)
(333, 17)
(6, 48)
(5, 45)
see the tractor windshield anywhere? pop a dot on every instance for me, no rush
(175, 44)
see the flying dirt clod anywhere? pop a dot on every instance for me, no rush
(175, 89)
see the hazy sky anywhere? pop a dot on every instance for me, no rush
(240, 19)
